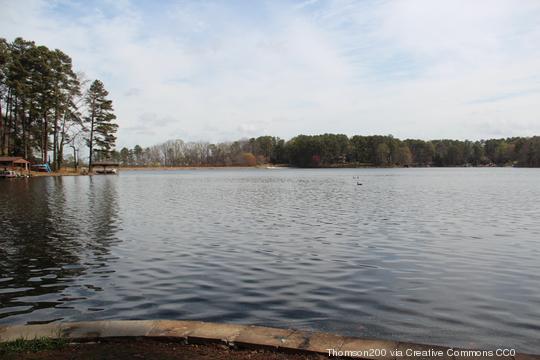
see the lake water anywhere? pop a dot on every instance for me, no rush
(442, 256)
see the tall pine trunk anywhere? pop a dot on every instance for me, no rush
(91, 145)
(25, 136)
(55, 140)
(1, 130)
(76, 161)
(45, 137)
(9, 126)
(16, 118)
(61, 142)
(6, 129)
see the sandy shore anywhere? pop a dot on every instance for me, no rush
(71, 172)
(169, 168)
(60, 173)
(159, 168)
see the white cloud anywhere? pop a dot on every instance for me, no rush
(205, 70)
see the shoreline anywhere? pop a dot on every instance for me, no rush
(70, 172)
(247, 336)
(212, 167)
(141, 348)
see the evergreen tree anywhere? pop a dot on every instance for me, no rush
(65, 88)
(100, 123)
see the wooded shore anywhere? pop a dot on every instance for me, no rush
(73, 172)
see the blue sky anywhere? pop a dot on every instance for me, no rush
(222, 70)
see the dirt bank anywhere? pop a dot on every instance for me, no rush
(154, 349)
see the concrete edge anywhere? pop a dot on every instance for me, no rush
(236, 335)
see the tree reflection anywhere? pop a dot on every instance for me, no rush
(54, 232)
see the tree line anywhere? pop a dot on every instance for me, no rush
(337, 150)
(45, 106)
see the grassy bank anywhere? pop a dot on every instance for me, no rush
(26, 346)
(139, 349)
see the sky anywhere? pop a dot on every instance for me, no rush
(224, 70)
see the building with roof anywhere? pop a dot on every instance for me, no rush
(14, 163)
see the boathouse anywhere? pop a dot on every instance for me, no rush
(14, 163)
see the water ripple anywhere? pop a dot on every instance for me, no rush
(447, 256)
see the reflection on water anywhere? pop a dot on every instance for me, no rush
(446, 256)
(55, 232)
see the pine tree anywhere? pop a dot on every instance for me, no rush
(100, 123)
(65, 89)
